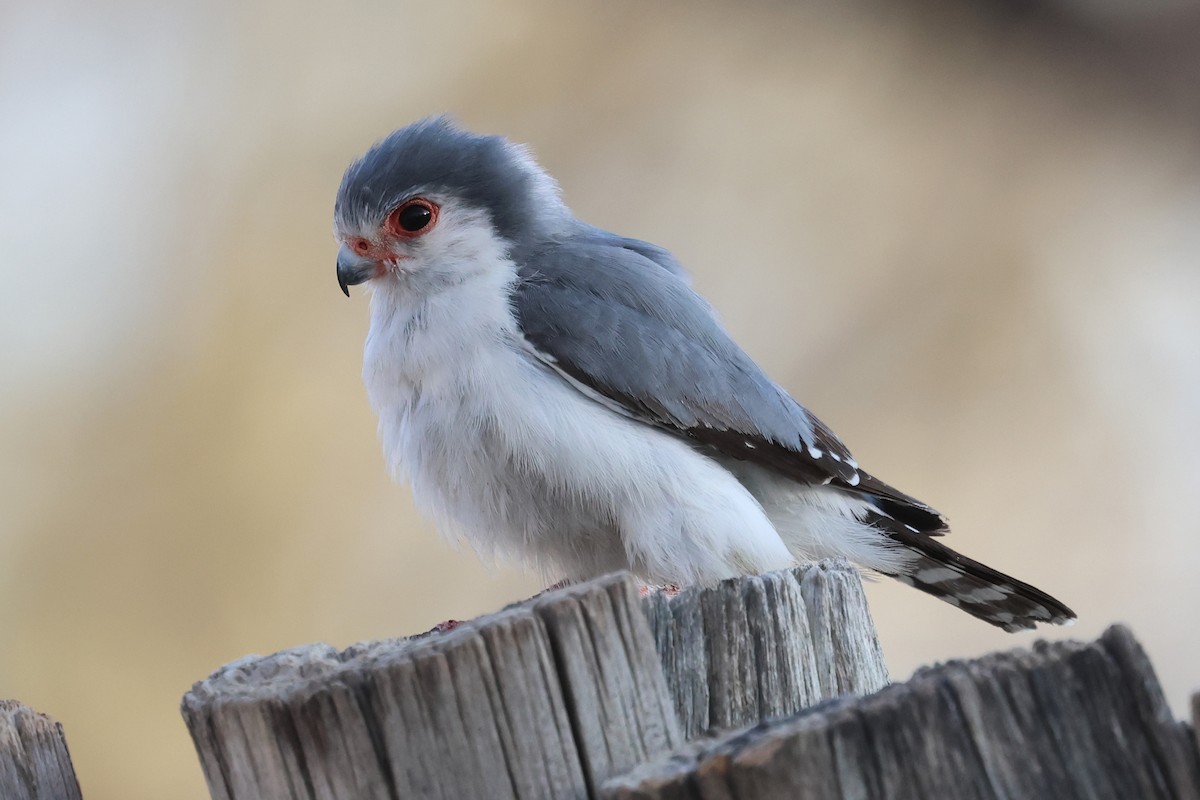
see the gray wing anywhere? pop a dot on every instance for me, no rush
(630, 329)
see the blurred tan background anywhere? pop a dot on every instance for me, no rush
(966, 234)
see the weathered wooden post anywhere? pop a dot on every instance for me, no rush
(758, 688)
(1066, 720)
(545, 699)
(766, 646)
(34, 762)
(550, 698)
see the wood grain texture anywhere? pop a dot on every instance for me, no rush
(1063, 721)
(606, 659)
(765, 646)
(34, 762)
(545, 699)
(1196, 721)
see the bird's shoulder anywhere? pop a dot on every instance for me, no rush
(589, 241)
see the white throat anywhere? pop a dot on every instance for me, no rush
(437, 331)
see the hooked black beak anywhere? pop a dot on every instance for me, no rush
(352, 269)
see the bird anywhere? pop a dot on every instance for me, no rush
(561, 396)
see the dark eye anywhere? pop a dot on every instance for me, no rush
(413, 217)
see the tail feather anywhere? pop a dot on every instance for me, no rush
(976, 588)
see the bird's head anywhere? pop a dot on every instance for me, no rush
(433, 200)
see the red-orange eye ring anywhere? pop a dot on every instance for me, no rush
(412, 218)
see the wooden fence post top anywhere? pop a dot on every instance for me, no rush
(34, 762)
(549, 698)
(1063, 720)
(763, 646)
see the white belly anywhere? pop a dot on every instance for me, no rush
(504, 452)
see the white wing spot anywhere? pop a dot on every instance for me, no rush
(750, 445)
(983, 594)
(815, 453)
(937, 575)
(835, 456)
(853, 479)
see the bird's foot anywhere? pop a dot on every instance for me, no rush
(554, 587)
(670, 590)
(448, 625)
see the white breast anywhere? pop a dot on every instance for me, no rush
(502, 450)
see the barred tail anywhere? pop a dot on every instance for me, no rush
(975, 588)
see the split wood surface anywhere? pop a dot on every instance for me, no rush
(34, 762)
(1064, 721)
(550, 698)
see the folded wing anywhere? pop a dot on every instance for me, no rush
(629, 329)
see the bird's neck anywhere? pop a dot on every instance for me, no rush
(421, 338)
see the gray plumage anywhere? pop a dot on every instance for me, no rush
(610, 327)
(434, 155)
